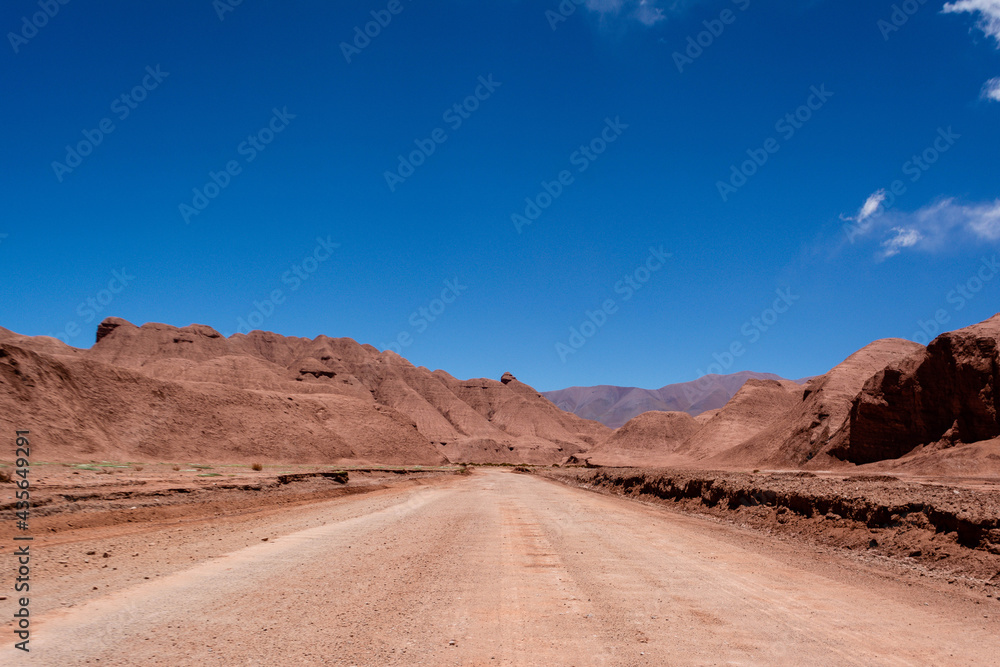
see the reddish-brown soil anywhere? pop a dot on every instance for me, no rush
(66, 497)
(489, 568)
(944, 528)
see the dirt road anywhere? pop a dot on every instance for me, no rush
(498, 568)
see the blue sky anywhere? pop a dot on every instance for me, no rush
(615, 192)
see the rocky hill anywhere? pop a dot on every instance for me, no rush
(159, 392)
(944, 395)
(163, 393)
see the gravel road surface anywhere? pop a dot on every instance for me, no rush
(496, 568)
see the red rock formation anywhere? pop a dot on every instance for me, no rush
(946, 394)
(757, 405)
(80, 409)
(322, 399)
(799, 436)
(649, 439)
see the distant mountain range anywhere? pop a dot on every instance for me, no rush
(613, 406)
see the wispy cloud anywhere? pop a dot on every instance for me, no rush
(646, 12)
(984, 220)
(991, 90)
(989, 14)
(867, 209)
(989, 23)
(903, 238)
(934, 227)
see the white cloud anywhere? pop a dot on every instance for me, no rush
(991, 90)
(948, 221)
(904, 238)
(934, 227)
(989, 23)
(984, 220)
(870, 206)
(989, 14)
(862, 219)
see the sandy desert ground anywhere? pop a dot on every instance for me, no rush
(487, 568)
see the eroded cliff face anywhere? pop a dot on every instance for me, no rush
(941, 396)
(190, 393)
(800, 436)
